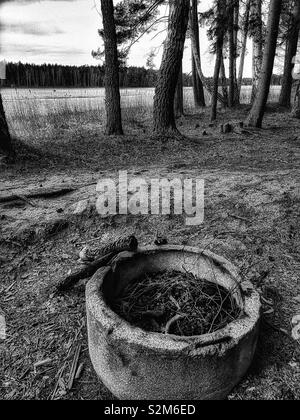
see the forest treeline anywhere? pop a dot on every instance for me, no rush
(54, 75)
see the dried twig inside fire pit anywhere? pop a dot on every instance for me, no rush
(177, 303)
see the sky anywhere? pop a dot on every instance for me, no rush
(66, 31)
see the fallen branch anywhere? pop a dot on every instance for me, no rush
(235, 216)
(128, 243)
(84, 273)
(74, 367)
(26, 200)
(171, 322)
(39, 193)
(124, 244)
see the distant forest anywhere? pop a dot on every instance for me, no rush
(53, 75)
(59, 76)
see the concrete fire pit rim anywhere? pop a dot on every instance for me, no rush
(219, 341)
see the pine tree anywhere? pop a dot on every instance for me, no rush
(163, 111)
(292, 37)
(256, 115)
(112, 90)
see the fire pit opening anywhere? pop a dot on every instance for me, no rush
(178, 303)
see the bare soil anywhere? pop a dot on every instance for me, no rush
(251, 217)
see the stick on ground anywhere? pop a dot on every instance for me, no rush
(124, 244)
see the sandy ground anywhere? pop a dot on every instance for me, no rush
(251, 217)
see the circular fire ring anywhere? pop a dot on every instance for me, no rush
(139, 365)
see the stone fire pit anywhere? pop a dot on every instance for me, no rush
(134, 364)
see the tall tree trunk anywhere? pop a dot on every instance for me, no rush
(5, 139)
(256, 115)
(233, 14)
(224, 82)
(244, 47)
(231, 56)
(198, 89)
(257, 34)
(178, 102)
(163, 112)
(296, 101)
(112, 88)
(236, 96)
(206, 82)
(218, 63)
(291, 51)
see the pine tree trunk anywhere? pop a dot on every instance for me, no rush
(5, 139)
(235, 32)
(218, 63)
(256, 22)
(178, 102)
(224, 82)
(198, 89)
(291, 51)
(243, 47)
(256, 115)
(231, 59)
(112, 89)
(296, 101)
(232, 37)
(163, 112)
(205, 81)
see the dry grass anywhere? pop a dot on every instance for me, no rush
(30, 110)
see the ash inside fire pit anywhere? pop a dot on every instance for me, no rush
(176, 303)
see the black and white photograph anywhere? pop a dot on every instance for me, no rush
(150, 203)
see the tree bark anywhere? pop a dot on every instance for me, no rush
(163, 112)
(231, 57)
(233, 14)
(198, 89)
(218, 63)
(224, 82)
(291, 51)
(296, 102)
(256, 115)
(112, 88)
(206, 82)
(5, 139)
(257, 33)
(178, 102)
(236, 40)
(244, 47)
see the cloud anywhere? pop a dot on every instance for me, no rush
(41, 50)
(31, 28)
(28, 2)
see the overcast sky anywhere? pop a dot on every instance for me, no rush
(65, 32)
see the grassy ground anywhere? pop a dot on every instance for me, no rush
(252, 218)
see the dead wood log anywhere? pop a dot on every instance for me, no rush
(128, 243)
(86, 272)
(111, 250)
